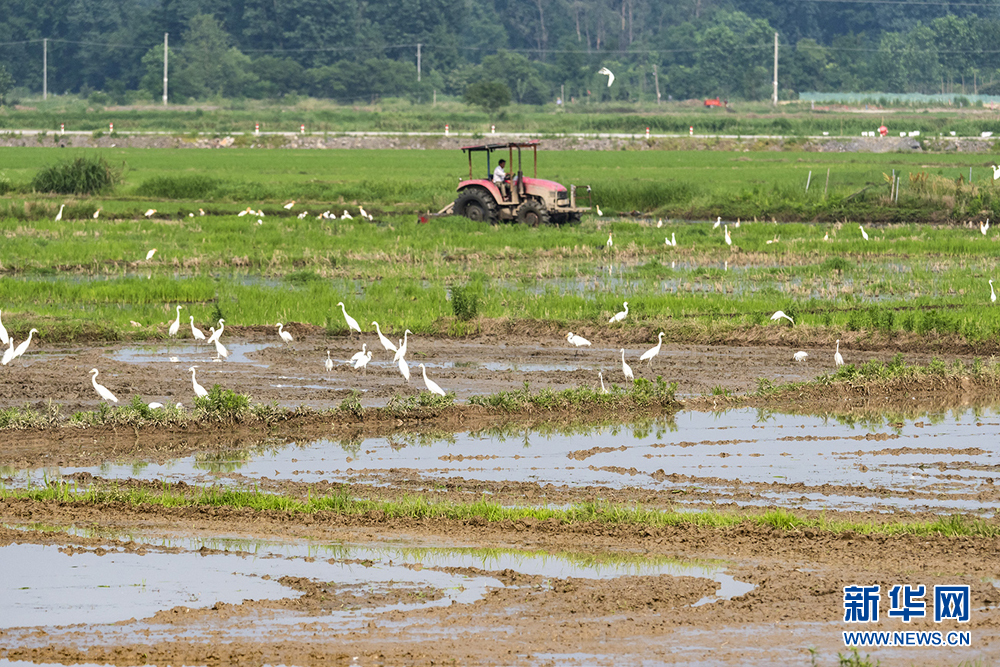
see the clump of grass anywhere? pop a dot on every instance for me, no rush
(400, 406)
(135, 413)
(83, 175)
(27, 417)
(196, 186)
(465, 301)
(643, 393)
(223, 405)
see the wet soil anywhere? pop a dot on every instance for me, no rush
(794, 613)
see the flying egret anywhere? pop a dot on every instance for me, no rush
(97, 213)
(217, 333)
(837, 357)
(328, 363)
(358, 355)
(864, 234)
(59, 214)
(150, 213)
(101, 390)
(386, 343)
(149, 255)
(432, 386)
(176, 326)
(404, 370)
(289, 205)
(800, 356)
(9, 352)
(626, 369)
(351, 322)
(199, 391)
(285, 336)
(729, 239)
(401, 352)
(195, 331)
(4, 338)
(648, 355)
(984, 227)
(577, 341)
(619, 316)
(220, 350)
(362, 362)
(718, 222)
(606, 72)
(23, 347)
(600, 376)
(779, 314)
(993, 294)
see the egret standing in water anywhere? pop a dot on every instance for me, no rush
(626, 369)
(362, 362)
(199, 391)
(176, 326)
(401, 352)
(800, 356)
(648, 355)
(837, 357)
(285, 336)
(217, 333)
(386, 343)
(101, 390)
(23, 347)
(328, 363)
(432, 386)
(577, 341)
(195, 331)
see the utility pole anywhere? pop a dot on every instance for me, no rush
(774, 99)
(418, 63)
(45, 68)
(165, 68)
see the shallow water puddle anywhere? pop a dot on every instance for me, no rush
(942, 462)
(56, 586)
(186, 353)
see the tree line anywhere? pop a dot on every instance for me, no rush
(538, 50)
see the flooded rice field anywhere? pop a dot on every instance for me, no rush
(115, 583)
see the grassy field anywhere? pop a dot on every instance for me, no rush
(81, 277)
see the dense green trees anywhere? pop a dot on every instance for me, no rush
(358, 50)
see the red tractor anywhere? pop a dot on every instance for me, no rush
(529, 200)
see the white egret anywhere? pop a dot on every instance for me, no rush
(779, 314)
(362, 362)
(404, 370)
(23, 347)
(217, 333)
(648, 355)
(59, 214)
(826, 237)
(303, 215)
(199, 391)
(993, 294)
(600, 376)
(619, 316)
(220, 350)
(599, 211)
(577, 341)
(737, 225)
(149, 255)
(346, 216)
(606, 72)
(285, 336)
(610, 242)
(626, 369)
(351, 322)
(718, 222)
(996, 172)
(800, 356)
(358, 355)
(328, 363)
(984, 227)
(195, 331)
(659, 223)
(289, 205)
(155, 406)
(9, 352)
(673, 240)
(4, 338)
(242, 213)
(401, 352)
(176, 326)
(97, 213)
(201, 211)
(729, 239)
(432, 386)
(364, 213)
(150, 213)
(864, 234)
(386, 343)
(101, 390)
(837, 357)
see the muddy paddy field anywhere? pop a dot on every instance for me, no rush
(121, 583)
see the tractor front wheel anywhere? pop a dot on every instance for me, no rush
(532, 213)
(476, 206)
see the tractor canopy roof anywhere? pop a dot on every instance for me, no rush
(496, 147)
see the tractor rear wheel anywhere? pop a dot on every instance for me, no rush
(532, 213)
(476, 205)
